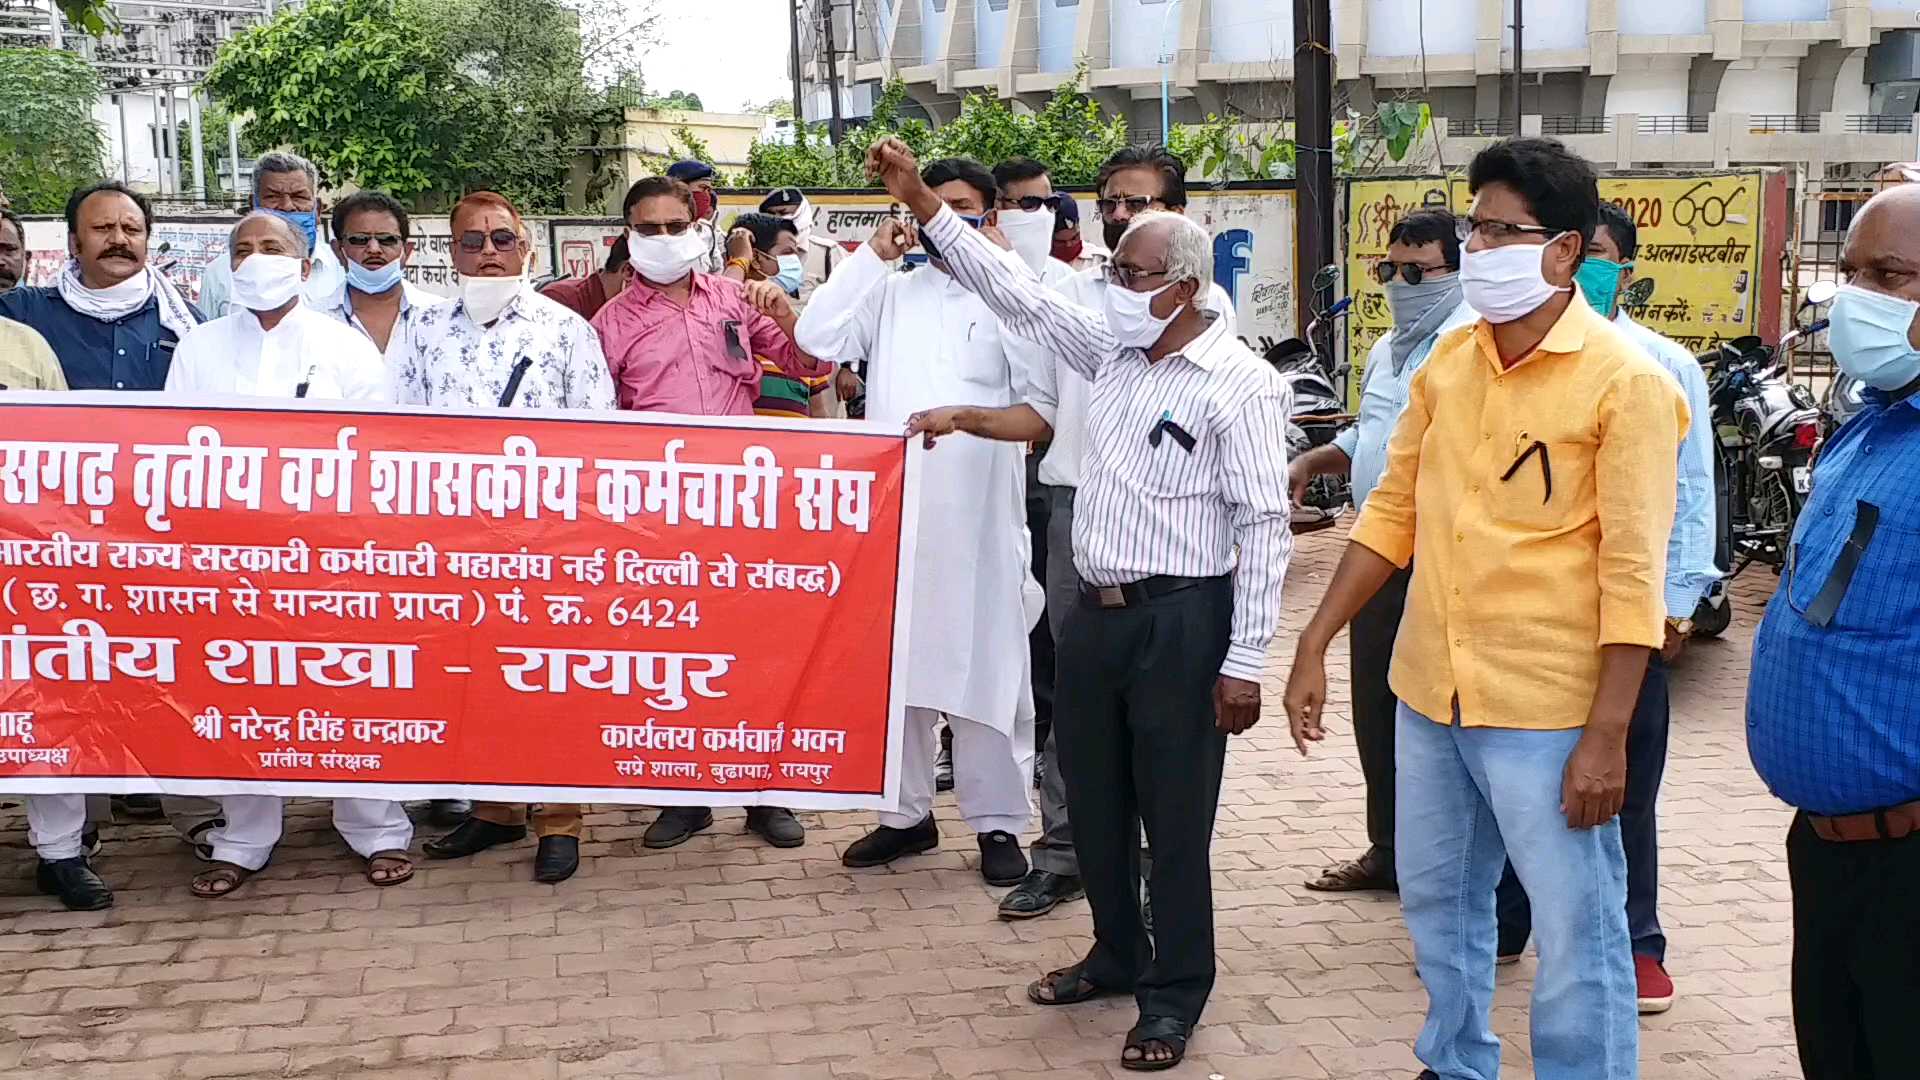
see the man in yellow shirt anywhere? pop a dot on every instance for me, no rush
(1531, 484)
(27, 362)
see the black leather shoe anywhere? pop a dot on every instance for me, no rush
(448, 813)
(883, 845)
(90, 843)
(1001, 860)
(943, 769)
(676, 825)
(557, 859)
(471, 838)
(1040, 892)
(776, 825)
(74, 882)
(139, 807)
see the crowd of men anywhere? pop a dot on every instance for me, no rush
(1104, 530)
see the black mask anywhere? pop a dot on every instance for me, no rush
(933, 251)
(1112, 231)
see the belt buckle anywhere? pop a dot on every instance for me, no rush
(1111, 596)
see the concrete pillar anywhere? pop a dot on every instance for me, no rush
(1593, 95)
(1703, 85)
(1490, 34)
(1626, 134)
(1603, 37)
(1819, 70)
(1726, 22)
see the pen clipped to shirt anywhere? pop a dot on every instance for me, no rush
(1166, 426)
(1546, 466)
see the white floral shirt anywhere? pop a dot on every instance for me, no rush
(456, 363)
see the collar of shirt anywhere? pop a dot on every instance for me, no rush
(513, 310)
(645, 294)
(1203, 351)
(1568, 335)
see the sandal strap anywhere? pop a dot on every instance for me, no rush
(1168, 1030)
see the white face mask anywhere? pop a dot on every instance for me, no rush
(1507, 283)
(1031, 234)
(664, 260)
(1130, 317)
(267, 282)
(486, 298)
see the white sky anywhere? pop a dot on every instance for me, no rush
(732, 53)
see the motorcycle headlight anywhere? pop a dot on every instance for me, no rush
(1769, 461)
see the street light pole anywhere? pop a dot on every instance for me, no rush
(1313, 151)
(1166, 61)
(1519, 65)
(793, 29)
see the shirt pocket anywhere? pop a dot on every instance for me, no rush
(1172, 470)
(1541, 486)
(733, 351)
(1857, 567)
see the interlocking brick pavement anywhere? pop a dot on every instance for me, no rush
(728, 960)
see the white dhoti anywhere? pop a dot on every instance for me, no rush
(254, 824)
(55, 824)
(992, 772)
(191, 815)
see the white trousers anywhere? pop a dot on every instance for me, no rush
(992, 772)
(187, 813)
(254, 822)
(55, 823)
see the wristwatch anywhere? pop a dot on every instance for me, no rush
(1683, 627)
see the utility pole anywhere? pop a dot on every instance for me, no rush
(836, 127)
(793, 28)
(1519, 66)
(1313, 148)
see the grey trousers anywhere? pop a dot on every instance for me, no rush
(1053, 848)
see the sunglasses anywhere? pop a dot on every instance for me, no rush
(358, 241)
(1127, 276)
(1411, 273)
(668, 228)
(1134, 204)
(1031, 203)
(503, 240)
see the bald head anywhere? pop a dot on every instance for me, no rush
(265, 234)
(1882, 253)
(1162, 239)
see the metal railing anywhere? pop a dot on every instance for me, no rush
(1783, 123)
(1875, 124)
(1673, 125)
(1481, 125)
(1575, 125)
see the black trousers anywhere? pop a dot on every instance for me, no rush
(1136, 737)
(1856, 955)
(1040, 641)
(1370, 650)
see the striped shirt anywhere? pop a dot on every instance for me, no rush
(1153, 506)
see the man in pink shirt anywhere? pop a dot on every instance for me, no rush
(682, 341)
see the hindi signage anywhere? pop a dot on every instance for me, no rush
(528, 606)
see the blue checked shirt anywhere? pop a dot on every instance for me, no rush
(1691, 570)
(1833, 702)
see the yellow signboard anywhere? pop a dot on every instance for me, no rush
(1699, 276)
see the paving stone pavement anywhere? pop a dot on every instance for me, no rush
(728, 960)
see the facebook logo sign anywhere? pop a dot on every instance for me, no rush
(1232, 259)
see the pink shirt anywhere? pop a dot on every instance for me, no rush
(698, 359)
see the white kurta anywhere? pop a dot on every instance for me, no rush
(233, 355)
(928, 342)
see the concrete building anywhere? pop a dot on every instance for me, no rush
(1632, 83)
(648, 140)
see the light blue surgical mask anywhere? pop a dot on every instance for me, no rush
(307, 221)
(377, 280)
(1599, 281)
(791, 274)
(1867, 334)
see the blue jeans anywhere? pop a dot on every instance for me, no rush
(1467, 800)
(1639, 830)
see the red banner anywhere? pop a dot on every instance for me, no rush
(519, 606)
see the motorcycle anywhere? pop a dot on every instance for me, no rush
(1319, 411)
(1765, 428)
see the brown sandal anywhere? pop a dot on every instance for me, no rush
(396, 864)
(1364, 874)
(222, 879)
(1067, 986)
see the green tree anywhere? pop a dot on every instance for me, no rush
(678, 100)
(49, 143)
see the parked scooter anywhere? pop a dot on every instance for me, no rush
(1319, 409)
(1766, 428)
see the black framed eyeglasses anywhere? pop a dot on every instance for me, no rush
(473, 240)
(1497, 232)
(1134, 204)
(1127, 276)
(360, 241)
(1409, 272)
(663, 228)
(1031, 203)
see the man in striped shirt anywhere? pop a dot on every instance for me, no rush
(1161, 660)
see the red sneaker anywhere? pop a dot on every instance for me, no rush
(1655, 988)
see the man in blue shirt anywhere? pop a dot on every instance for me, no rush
(111, 319)
(1421, 274)
(1691, 571)
(1831, 718)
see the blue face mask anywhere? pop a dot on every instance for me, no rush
(926, 242)
(377, 280)
(1868, 337)
(1599, 282)
(791, 274)
(307, 221)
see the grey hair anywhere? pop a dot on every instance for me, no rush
(299, 238)
(280, 161)
(1189, 248)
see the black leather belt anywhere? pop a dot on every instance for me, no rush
(1138, 592)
